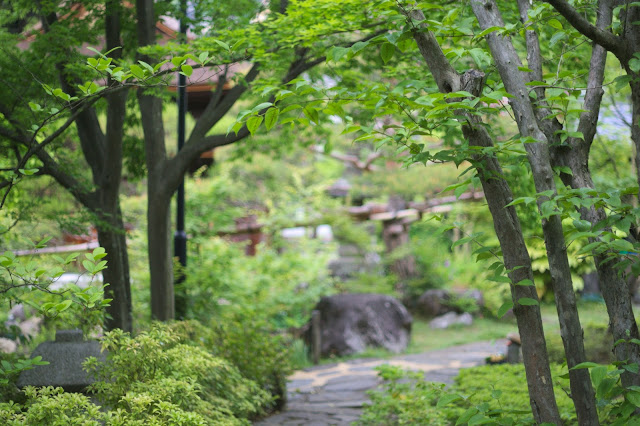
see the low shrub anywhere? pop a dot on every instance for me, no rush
(159, 369)
(168, 375)
(250, 346)
(494, 394)
(504, 388)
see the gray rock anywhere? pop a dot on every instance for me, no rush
(451, 318)
(433, 303)
(352, 322)
(65, 357)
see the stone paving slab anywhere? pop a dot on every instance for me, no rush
(334, 394)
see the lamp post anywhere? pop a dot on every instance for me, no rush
(180, 236)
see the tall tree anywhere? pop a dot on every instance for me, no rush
(543, 117)
(50, 57)
(284, 58)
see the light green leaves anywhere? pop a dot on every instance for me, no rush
(386, 51)
(253, 123)
(271, 118)
(186, 69)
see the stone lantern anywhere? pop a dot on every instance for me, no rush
(65, 356)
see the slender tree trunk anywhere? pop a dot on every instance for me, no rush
(111, 236)
(516, 258)
(506, 223)
(158, 194)
(160, 259)
(507, 61)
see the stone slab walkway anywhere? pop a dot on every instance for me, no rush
(334, 394)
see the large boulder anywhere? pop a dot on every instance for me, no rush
(350, 323)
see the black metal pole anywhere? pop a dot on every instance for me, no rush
(180, 236)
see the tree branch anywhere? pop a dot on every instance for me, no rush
(604, 38)
(588, 123)
(446, 77)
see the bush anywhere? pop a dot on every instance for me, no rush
(158, 372)
(51, 406)
(483, 394)
(248, 344)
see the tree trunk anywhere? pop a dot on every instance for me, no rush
(508, 61)
(506, 223)
(112, 238)
(517, 260)
(160, 255)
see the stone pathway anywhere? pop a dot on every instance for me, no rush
(334, 394)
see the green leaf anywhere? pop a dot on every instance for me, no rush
(386, 51)
(177, 60)
(187, 70)
(526, 283)
(504, 309)
(597, 374)
(311, 113)
(137, 71)
(634, 398)
(467, 415)
(202, 58)
(499, 279)
(271, 118)
(336, 53)
(554, 23)
(261, 106)
(222, 44)
(88, 265)
(63, 306)
(448, 399)
(253, 123)
(488, 31)
(621, 81)
(527, 301)
(98, 253)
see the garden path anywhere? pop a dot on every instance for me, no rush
(334, 394)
